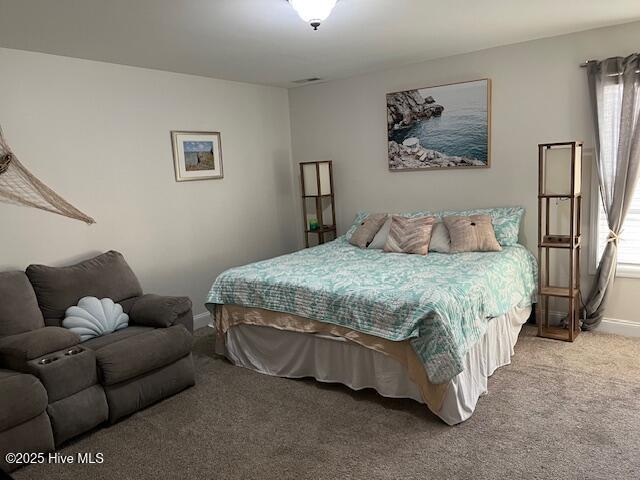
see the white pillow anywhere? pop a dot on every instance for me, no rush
(440, 240)
(381, 237)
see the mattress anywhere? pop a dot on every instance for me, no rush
(441, 304)
(295, 350)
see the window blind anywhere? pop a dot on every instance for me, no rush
(629, 242)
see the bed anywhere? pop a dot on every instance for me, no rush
(432, 328)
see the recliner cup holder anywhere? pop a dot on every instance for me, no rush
(68, 353)
(47, 360)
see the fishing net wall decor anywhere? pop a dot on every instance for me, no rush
(19, 186)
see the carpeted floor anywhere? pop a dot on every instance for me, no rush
(567, 411)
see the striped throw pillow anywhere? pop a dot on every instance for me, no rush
(409, 235)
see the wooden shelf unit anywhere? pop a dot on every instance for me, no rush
(571, 244)
(323, 229)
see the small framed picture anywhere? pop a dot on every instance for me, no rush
(197, 155)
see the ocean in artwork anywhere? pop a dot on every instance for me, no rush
(460, 130)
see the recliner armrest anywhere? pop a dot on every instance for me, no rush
(17, 350)
(161, 311)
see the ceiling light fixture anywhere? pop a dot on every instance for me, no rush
(314, 12)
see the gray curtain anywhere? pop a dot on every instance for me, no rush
(614, 86)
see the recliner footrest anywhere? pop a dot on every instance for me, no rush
(22, 397)
(128, 397)
(140, 354)
(32, 436)
(78, 413)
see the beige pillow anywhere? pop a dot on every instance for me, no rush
(409, 235)
(367, 230)
(472, 234)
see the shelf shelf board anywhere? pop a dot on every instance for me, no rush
(559, 195)
(328, 195)
(558, 333)
(325, 229)
(558, 291)
(560, 245)
(577, 143)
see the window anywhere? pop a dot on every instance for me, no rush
(629, 243)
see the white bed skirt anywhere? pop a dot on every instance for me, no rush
(336, 360)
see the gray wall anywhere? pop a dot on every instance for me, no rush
(539, 95)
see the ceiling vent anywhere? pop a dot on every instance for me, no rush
(307, 80)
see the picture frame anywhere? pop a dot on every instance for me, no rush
(440, 127)
(197, 155)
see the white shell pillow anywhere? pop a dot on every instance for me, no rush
(93, 317)
(440, 240)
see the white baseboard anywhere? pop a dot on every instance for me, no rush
(616, 326)
(619, 327)
(201, 320)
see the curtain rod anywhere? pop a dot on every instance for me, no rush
(585, 64)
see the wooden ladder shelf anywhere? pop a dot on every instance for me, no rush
(568, 326)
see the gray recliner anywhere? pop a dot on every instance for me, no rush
(104, 378)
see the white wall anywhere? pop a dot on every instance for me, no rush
(98, 134)
(539, 95)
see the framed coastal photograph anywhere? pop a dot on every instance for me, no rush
(197, 155)
(447, 126)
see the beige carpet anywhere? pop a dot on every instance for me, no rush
(567, 411)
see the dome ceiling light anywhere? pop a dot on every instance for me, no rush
(314, 12)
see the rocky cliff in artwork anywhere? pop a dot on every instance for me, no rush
(405, 108)
(410, 154)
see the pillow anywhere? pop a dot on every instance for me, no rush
(381, 237)
(506, 220)
(439, 241)
(94, 318)
(360, 216)
(364, 234)
(472, 234)
(409, 235)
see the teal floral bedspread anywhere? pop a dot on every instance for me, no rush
(442, 302)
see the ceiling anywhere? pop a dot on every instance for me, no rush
(264, 41)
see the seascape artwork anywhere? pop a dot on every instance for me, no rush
(440, 127)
